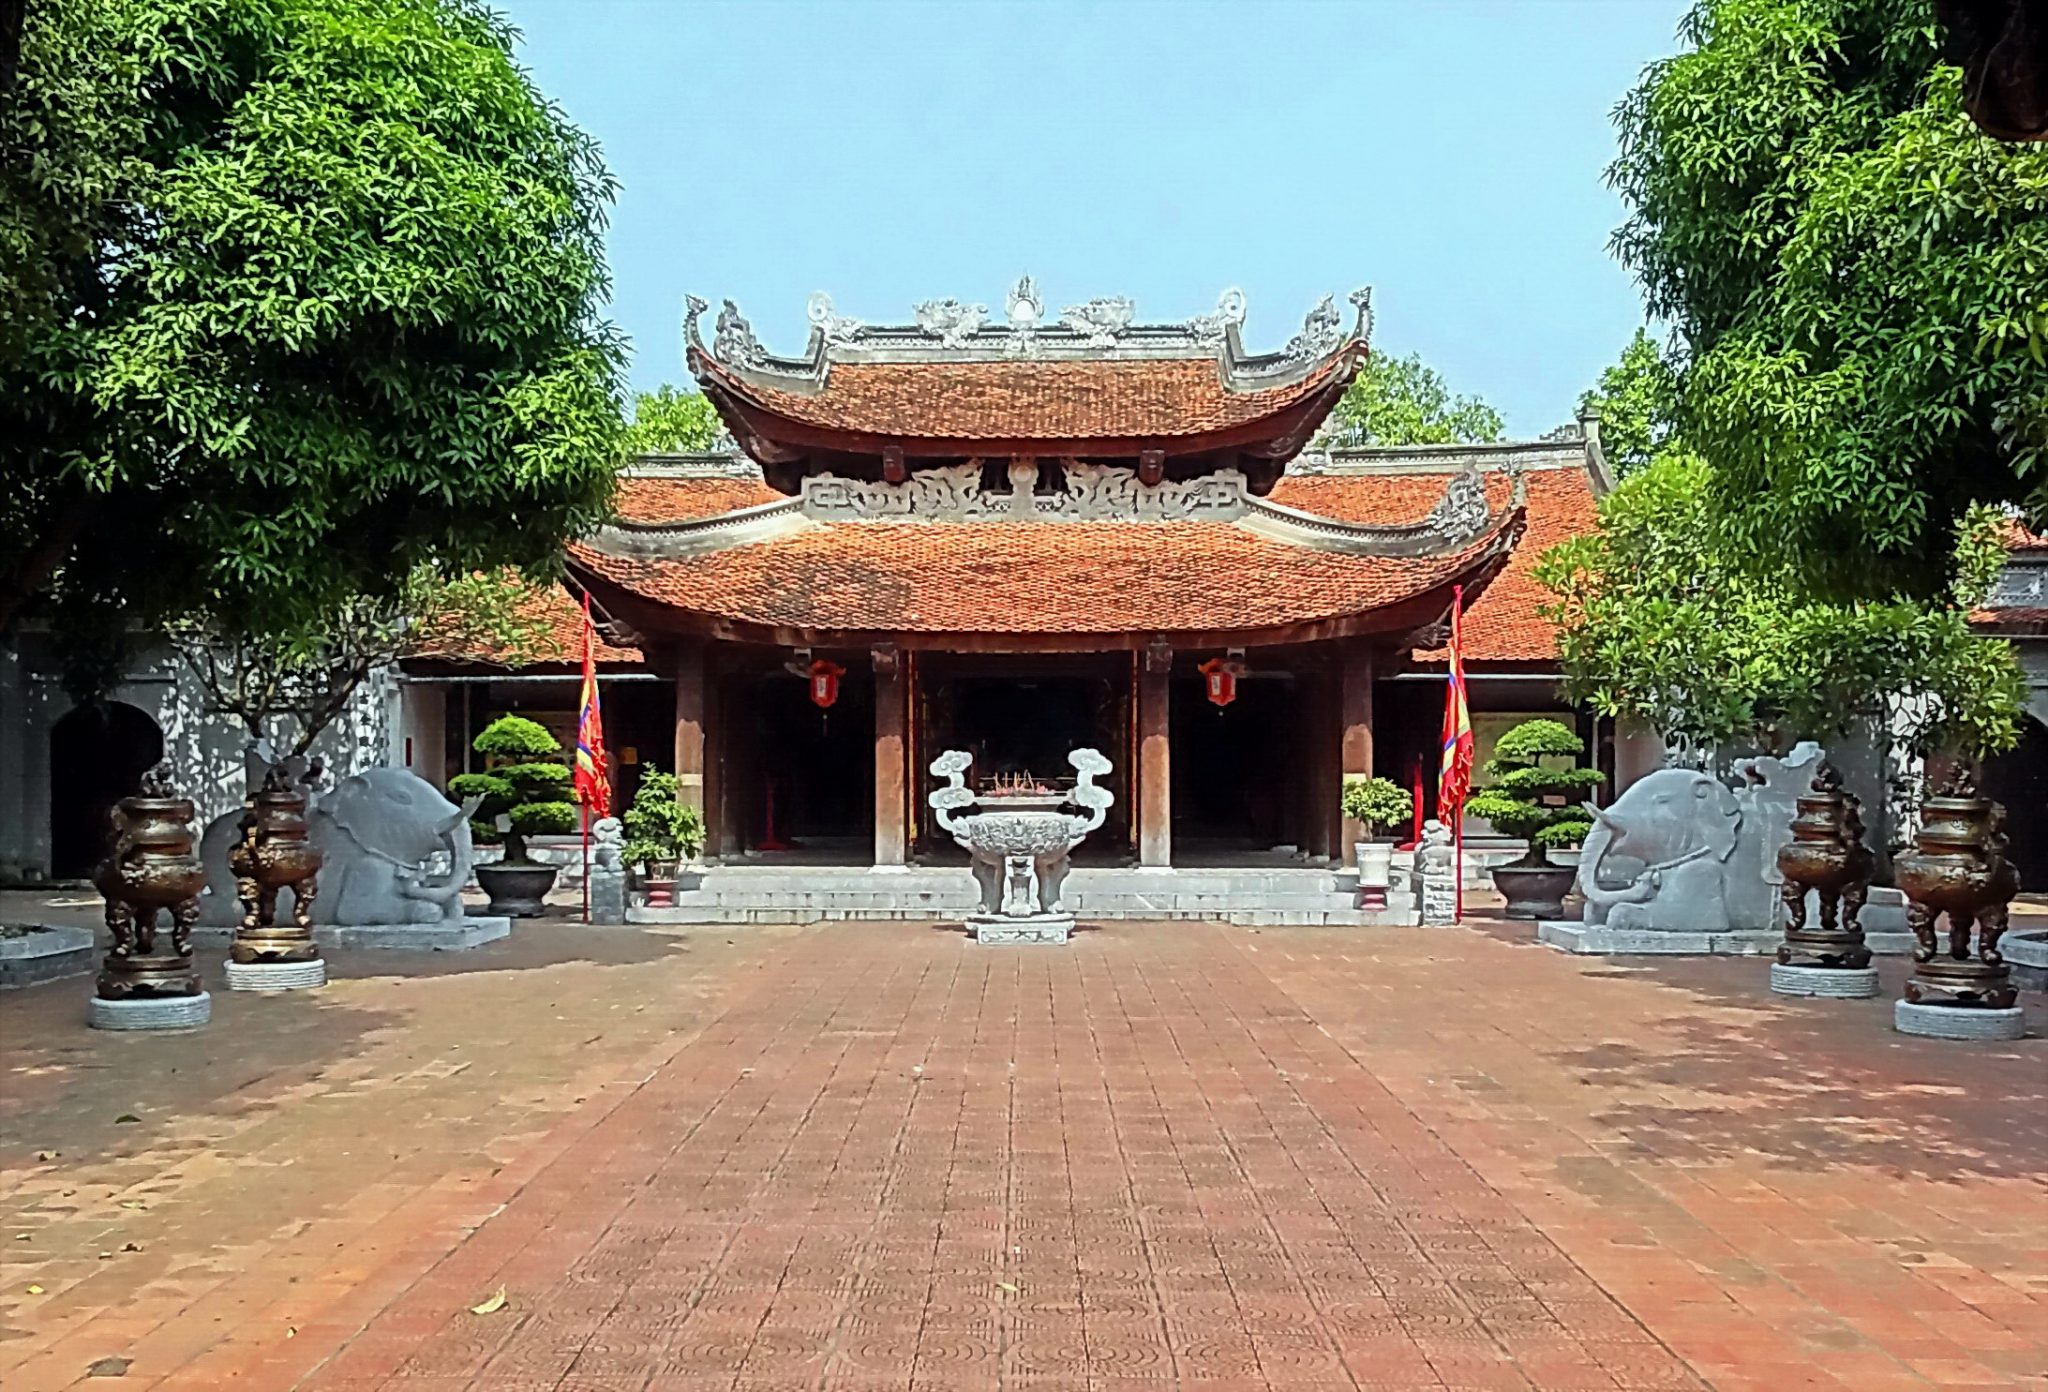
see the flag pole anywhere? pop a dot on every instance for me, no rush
(586, 860)
(1458, 810)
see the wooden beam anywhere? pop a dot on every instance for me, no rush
(892, 732)
(1155, 758)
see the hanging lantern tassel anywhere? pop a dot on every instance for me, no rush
(1219, 678)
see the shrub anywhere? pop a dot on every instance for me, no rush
(1378, 804)
(1531, 799)
(529, 789)
(658, 826)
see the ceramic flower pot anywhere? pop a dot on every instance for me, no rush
(516, 890)
(1534, 891)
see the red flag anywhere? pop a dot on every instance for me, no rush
(593, 777)
(1455, 778)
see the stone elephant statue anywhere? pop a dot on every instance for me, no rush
(381, 834)
(1673, 834)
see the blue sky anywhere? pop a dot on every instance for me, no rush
(1447, 154)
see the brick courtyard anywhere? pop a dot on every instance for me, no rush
(1171, 1156)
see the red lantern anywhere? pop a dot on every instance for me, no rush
(1219, 675)
(824, 676)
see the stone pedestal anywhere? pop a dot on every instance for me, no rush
(1834, 983)
(1439, 901)
(1020, 928)
(1959, 1022)
(277, 976)
(151, 1012)
(608, 895)
(43, 952)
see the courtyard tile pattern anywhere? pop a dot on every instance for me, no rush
(1174, 1157)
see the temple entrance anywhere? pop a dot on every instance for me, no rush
(98, 755)
(1020, 718)
(2019, 778)
(1238, 770)
(804, 781)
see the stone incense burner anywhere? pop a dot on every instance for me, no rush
(1020, 840)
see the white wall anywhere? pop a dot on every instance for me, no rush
(205, 749)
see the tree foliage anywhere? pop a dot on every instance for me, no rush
(1405, 401)
(299, 296)
(1377, 804)
(659, 825)
(668, 421)
(1860, 278)
(527, 784)
(1636, 400)
(1531, 794)
(307, 674)
(1658, 623)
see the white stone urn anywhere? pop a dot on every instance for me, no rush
(1020, 843)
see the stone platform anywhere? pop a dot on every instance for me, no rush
(1596, 941)
(1260, 896)
(151, 1013)
(415, 937)
(43, 952)
(1028, 928)
(2026, 952)
(1959, 1022)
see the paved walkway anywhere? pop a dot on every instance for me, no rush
(1167, 1157)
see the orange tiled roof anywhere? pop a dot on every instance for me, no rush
(559, 637)
(1146, 398)
(2019, 538)
(1503, 624)
(1029, 578)
(673, 498)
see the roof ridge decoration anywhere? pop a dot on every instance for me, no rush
(1094, 493)
(952, 330)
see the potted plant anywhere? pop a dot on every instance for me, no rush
(1376, 804)
(524, 791)
(1538, 801)
(661, 833)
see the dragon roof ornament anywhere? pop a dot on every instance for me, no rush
(951, 330)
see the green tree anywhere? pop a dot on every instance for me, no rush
(299, 296)
(668, 421)
(1532, 794)
(1859, 276)
(1377, 804)
(659, 826)
(1636, 400)
(1405, 401)
(308, 674)
(526, 784)
(1659, 624)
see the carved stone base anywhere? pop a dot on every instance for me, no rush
(1023, 928)
(277, 976)
(1959, 1021)
(1835, 983)
(151, 1013)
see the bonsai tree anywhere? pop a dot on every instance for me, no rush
(660, 829)
(526, 782)
(1532, 799)
(1377, 804)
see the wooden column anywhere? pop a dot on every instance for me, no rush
(689, 748)
(718, 822)
(892, 731)
(1155, 759)
(1354, 734)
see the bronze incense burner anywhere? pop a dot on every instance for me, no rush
(1959, 869)
(1826, 855)
(150, 867)
(272, 853)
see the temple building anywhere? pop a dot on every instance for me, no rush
(1026, 534)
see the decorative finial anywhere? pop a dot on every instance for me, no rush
(156, 783)
(1361, 299)
(1024, 305)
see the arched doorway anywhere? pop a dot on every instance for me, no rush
(98, 755)
(2019, 779)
